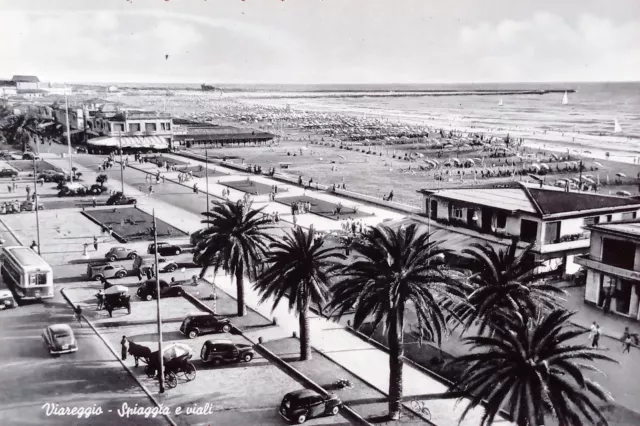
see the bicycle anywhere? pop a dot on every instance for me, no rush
(421, 407)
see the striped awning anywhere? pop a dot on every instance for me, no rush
(151, 142)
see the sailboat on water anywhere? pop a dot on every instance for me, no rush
(616, 127)
(500, 102)
(565, 99)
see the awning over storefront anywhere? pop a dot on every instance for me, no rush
(149, 142)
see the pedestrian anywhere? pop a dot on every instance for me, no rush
(34, 246)
(627, 344)
(150, 189)
(85, 248)
(124, 343)
(95, 243)
(93, 201)
(78, 315)
(592, 330)
(595, 342)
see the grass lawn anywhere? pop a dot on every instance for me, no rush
(250, 186)
(199, 171)
(324, 208)
(27, 165)
(365, 400)
(132, 224)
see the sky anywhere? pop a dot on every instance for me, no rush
(320, 41)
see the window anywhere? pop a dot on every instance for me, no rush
(596, 220)
(618, 253)
(165, 126)
(551, 232)
(634, 215)
(134, 127)
(501, 220)
(118, 127)
(150, 127)
(609, 217)
(457, 213)
(169, 126)
(528, 230)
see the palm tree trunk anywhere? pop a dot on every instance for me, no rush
(305, 338)
(240, 292)
(396, 352)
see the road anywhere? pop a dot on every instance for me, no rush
(31, 378)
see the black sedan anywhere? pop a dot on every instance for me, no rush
(302, 405)
(148, 290)
(60, 339)
(8, 173)
(119, 199)
(165, 249)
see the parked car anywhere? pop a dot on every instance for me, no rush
(29, 206)
(6, 298)
(30, 156)
(119, 198)
(51, 176)
(302, 405)
(8, 173)
(60, 339)
(119, 253)
(165, 249)
(218, 351)
(145, 262)
(196, 325)
(98, 271)
(148, 290)
(81, 150)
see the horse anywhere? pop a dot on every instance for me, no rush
(139, 351)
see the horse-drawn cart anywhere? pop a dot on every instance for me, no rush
(176, 363)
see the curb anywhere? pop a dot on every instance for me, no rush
(13, 234)
(308, 383)
(144, 388)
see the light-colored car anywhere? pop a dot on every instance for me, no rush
(6, 299)
(119, 253)
(98, 271)
(60, 339)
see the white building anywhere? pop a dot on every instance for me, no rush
(552, 219)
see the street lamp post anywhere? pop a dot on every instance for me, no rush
(66, 103)
(35, 193)
(206, 173)
(161, 360)
(122, 165)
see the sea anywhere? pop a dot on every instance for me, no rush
(586, 124)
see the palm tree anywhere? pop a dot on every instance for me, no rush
(394, 270)
(503, 281)
(533, 373)
(300, 266)
(235, 241)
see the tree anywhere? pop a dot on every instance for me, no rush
(394, 268)
(235, 241)
(300, 266)
(503, 281)
(533, 373)
(102, 179)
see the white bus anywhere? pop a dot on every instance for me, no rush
(26, 273)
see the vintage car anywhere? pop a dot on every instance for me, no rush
(60, 339)
(119, 198)
(119, 253)
(8, 173)
(30, 156)
(142, 263)
(30, 206)
(72, 190)
(217, 352)
(98, 271)
(302, 405)
(165, 249)
(51, 176)
(6, 298)
(196, 325)
(148, 290)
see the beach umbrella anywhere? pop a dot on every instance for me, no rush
(597, 164)
(176, 350)
(621, 175)
(554, 156)
(116, 289)
(342, 156)
(586, 179)
(545, 166)
(538, 178)
(624, 193)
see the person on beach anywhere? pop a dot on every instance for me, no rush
(95, 243)
(85, 250)
(78, 315)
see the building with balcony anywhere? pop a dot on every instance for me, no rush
(552, 219)
(613, 267)
(133, 130)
